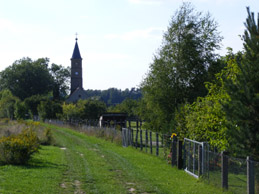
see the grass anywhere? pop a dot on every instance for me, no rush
(92, 165)
(42, 175)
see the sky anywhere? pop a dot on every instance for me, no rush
(117, 38)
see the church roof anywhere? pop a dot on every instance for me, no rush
(76, 53)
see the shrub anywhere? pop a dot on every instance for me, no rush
(47, 137)
(18, 149)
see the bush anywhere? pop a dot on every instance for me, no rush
(47, 137)
(18, 149)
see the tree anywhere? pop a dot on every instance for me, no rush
(244, 93)
(205, 119)
(128, 106)
(7, 104)
(21, 111)
(91, 109)
(70, 112)
(49, 109)
(31, 104)
(26, 78)
(61, 80)
(180, 67)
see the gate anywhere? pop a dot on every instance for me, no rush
(195, 156)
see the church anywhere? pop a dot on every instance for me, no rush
(77, 91)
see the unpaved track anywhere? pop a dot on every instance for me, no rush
(94, 168)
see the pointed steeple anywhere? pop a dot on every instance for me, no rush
(76, 53)
(76, 70)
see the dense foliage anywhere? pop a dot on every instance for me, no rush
(244, 93)
(114, 96)
(25, 78)
(205, 119)
(228, 116)
(83, 110)
(181, 66)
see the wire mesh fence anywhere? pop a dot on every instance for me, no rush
(213, 167)
(256, 173)
(237, 175)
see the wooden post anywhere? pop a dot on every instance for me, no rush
(157, 145)
(137, 124)
(224, 170)
(136, 140)
(179, 155)
(174, 151)
(150, 137)
(141, 142)
(146, 144)
(250, 176)
(132, 136)
(162, 140)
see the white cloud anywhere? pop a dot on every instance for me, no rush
(136, 34)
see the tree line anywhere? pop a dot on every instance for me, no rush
(30, 88)
(189, 88)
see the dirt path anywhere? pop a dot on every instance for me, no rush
(93, 168)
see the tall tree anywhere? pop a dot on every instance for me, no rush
(26, 78)
(61, 81)
(180, 67)
(244, 92)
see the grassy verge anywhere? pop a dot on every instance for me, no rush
(42, 175)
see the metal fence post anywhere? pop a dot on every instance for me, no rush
(200, 161)
(193, 159)
(224, 170)
(184, 154)
(250, 176)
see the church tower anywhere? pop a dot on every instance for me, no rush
(76, 70)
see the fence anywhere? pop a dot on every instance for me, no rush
(195, 157)
(108, 133)
(234, 174)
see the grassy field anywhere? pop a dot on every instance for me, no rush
(83, 164)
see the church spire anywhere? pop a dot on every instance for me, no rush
(76, 69)
(76, 53)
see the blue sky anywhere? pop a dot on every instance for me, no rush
(117, 38)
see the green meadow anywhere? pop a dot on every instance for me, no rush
(85, 164)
